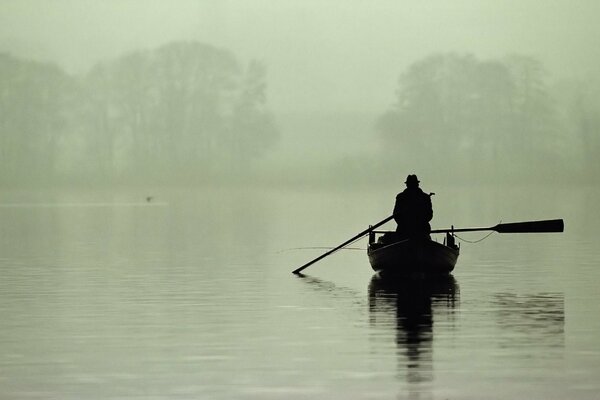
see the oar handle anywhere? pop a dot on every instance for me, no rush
(449, 230)
(358, 236)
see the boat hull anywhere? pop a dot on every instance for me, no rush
(412, 258)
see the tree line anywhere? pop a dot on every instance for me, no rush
(497, 119)
(184, 110)
(188, 111)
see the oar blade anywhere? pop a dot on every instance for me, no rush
(546, 226)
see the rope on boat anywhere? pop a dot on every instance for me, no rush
(474, 241)
(478, 240)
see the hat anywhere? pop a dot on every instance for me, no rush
(412, 180)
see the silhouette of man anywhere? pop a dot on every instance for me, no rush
(413, 211)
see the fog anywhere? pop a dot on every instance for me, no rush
(307, 92)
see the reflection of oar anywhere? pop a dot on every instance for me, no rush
(358, 236)
(549, 225)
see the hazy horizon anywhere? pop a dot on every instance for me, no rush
(323, 59)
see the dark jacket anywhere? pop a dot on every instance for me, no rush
(412, 212)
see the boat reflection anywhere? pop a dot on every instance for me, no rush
(409, 307)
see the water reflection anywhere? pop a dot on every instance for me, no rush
(410, 307)
(530, 319)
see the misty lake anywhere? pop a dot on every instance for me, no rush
(188, 294)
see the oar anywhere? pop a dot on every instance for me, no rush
(545, 226)
(358, 236)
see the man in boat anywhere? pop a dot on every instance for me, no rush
(413, 211)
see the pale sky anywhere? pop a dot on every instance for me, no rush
(325, 55)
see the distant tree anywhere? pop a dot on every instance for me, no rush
(252, 130)
(455, 109)
(34, 98)
(185, 106)
(579, 101)
(533, 115)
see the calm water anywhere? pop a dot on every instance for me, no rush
(190, 296)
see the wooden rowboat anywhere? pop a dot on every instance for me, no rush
(412, 257)
(426, 257)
